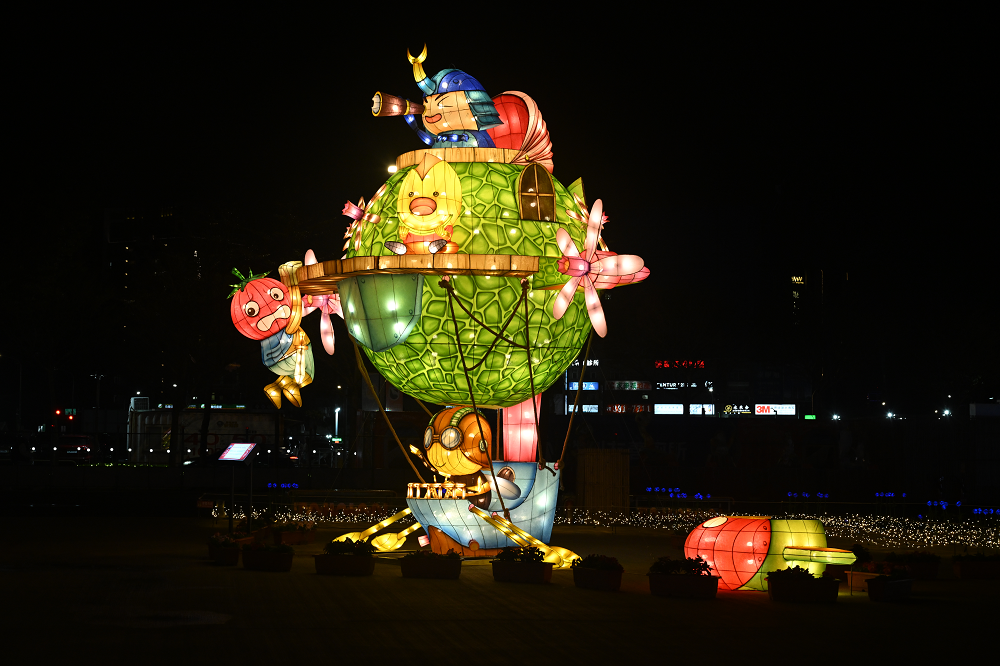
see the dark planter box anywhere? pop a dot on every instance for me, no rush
(977, 569)
(685, 586)
(806, 590)
(884, 589)
(522, 572)
(923, 570)
(294, 537)
(838, 571)
(443, 568)
(263, 560)
(224, 556)
(344, 565)
(597, 579)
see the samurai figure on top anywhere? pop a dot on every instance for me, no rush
(457, 111)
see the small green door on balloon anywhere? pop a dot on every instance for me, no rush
(381, 310)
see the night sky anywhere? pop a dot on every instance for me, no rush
(730, 152)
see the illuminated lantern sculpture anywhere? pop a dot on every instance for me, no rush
(471, 278)
(742, 549)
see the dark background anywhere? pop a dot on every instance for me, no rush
(730, 150)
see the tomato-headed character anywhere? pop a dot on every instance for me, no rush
(260, 307)
(267, 310)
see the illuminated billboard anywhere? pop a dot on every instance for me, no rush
(630, 386)
(587, 386)
(237, 452)
(668, 408)
(774, 410)
(701, 409)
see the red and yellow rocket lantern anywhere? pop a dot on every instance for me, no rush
(742, 549)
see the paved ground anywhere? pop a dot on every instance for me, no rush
(126, 591)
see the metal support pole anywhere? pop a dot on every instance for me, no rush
(253, 454)
(232, 498)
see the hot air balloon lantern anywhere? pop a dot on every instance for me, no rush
(471, 239)
(742, 549)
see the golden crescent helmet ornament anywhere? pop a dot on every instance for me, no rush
(419, 59)
(418, 69)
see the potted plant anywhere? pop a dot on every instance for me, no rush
(796, 584)
(294, 534)
(258, 557)
(521, 565)
(223, 549)
(895, 586)
(976, 567)
(428, 564)
(597, 572)
(690, 578)
(346, 558)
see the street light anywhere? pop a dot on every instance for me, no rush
(336, 422)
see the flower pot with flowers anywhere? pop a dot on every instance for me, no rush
(976, 567)
(598, 572)
(521, 565)
(223, 549)
(258, 557)
(294, 534)
(799, 585)
(895, 586)
(346, 558)
(690, 578)
(428, 564)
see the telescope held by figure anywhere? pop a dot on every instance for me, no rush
(390, 105)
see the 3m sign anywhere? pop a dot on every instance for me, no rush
(774, 410)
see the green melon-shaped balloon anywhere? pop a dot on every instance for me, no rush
(404, 323)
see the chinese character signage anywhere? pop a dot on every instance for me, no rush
(626, 409)
(737, 410)
(631, 386)
(679, 364)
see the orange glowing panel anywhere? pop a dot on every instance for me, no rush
(734, 548)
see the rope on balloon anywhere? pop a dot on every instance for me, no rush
(497, 336)
(576, 402)
(368, 380)
(446, 285)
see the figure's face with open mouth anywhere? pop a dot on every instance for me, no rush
(448, 112)
(430, 203)
(261, 309)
